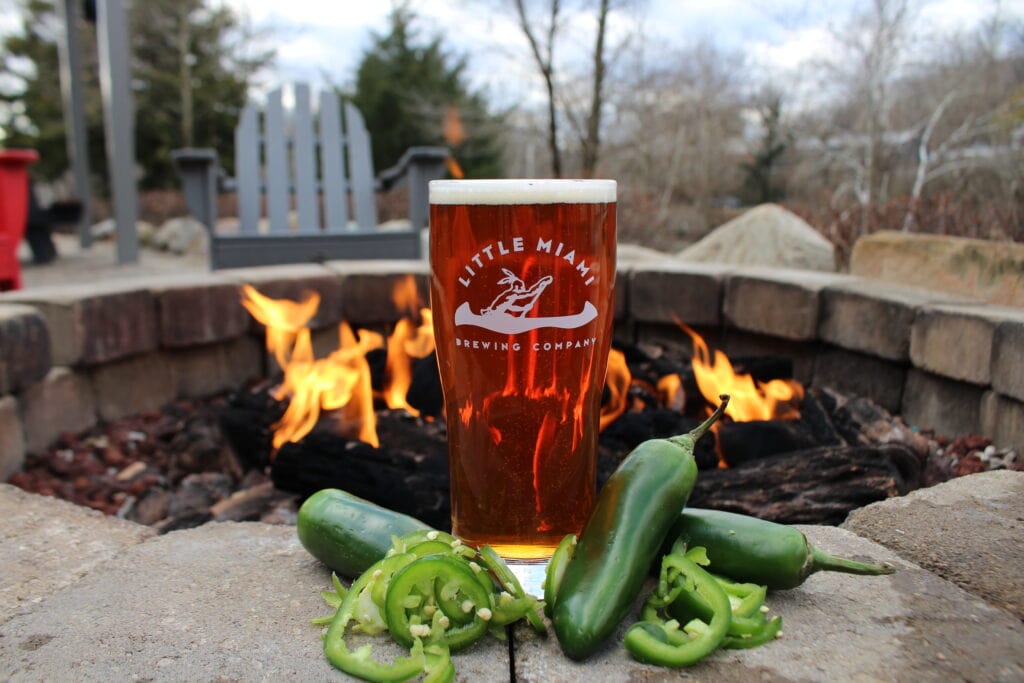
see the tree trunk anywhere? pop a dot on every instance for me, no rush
(592, 142)
(545, 63)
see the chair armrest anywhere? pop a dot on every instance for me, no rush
(417, 167)
(199, 169)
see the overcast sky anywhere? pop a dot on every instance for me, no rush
(317, 44)
(319, 41)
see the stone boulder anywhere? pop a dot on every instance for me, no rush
(182, 236)
(636, 253)
(767, 235)
(987, 270)
(107, 230)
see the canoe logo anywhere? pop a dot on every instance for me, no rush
(507, 313)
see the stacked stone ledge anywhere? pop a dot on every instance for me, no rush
(941, 360)
(70, 357)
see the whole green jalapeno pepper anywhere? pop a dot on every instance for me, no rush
(347, 533)
(620, 540)
(753, 550)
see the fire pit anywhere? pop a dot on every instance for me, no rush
(122, 354)
(797, 451)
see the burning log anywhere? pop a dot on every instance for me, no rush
(246, 423)
(742, 442)
(425, 391)
(409, 476)
(813, 486)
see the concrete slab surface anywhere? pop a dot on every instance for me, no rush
(969, 530)
(47, 545)
(225, 601)
(911, 626)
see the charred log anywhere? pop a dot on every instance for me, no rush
(631, 429)
(425, 393)
(246, 423)
(410, 478)
(814, 486)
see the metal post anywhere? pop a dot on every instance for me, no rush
(118, 122)
(69, 49)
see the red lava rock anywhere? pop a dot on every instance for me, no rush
(59, 465)
(21, 479)
(112, 457)
(963, 445)
(970, 464)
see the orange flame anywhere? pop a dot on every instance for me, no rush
(408, 341)
(340, 382)
(751, 400)
(454, 134)
(283, 319)
(670, 392)
(618, 380)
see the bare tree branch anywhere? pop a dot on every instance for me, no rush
(545, 63)
(592, 141)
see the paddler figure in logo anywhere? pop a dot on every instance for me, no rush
(507, 313)
(517, 298)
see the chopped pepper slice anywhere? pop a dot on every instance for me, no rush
(359, 662)
(663, 643)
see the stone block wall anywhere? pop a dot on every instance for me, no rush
(72, 357)
(944, 362)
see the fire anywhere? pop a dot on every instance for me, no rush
(670, 392)
(454, 134)
(408, 341)
(617, 381)
(339, 382)
(751, 400)
(283, 319)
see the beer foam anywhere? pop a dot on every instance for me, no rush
(522, 191)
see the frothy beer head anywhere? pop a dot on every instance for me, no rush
(519, 192)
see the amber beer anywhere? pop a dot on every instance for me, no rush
(522, 274)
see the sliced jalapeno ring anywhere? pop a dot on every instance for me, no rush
(556, 570)
(421, 577)
(359, 663)
(508, 581)
(767, 632)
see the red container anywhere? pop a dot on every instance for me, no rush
(14, 165)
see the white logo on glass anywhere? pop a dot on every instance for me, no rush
(507, 313)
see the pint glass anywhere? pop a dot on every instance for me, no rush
(522, 275)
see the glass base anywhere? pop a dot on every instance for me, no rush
(530, 574)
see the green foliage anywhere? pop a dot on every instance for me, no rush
(182, 51)
(31, 109)
(405, 88)
(213, 71)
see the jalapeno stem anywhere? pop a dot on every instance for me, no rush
(688, 440)
(822, 561)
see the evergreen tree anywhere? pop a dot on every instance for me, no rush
(190, 69)
(408, 89)
(193, 77)
(31, 108)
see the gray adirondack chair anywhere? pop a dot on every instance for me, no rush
(281, 161)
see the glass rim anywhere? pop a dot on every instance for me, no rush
(523, 191)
